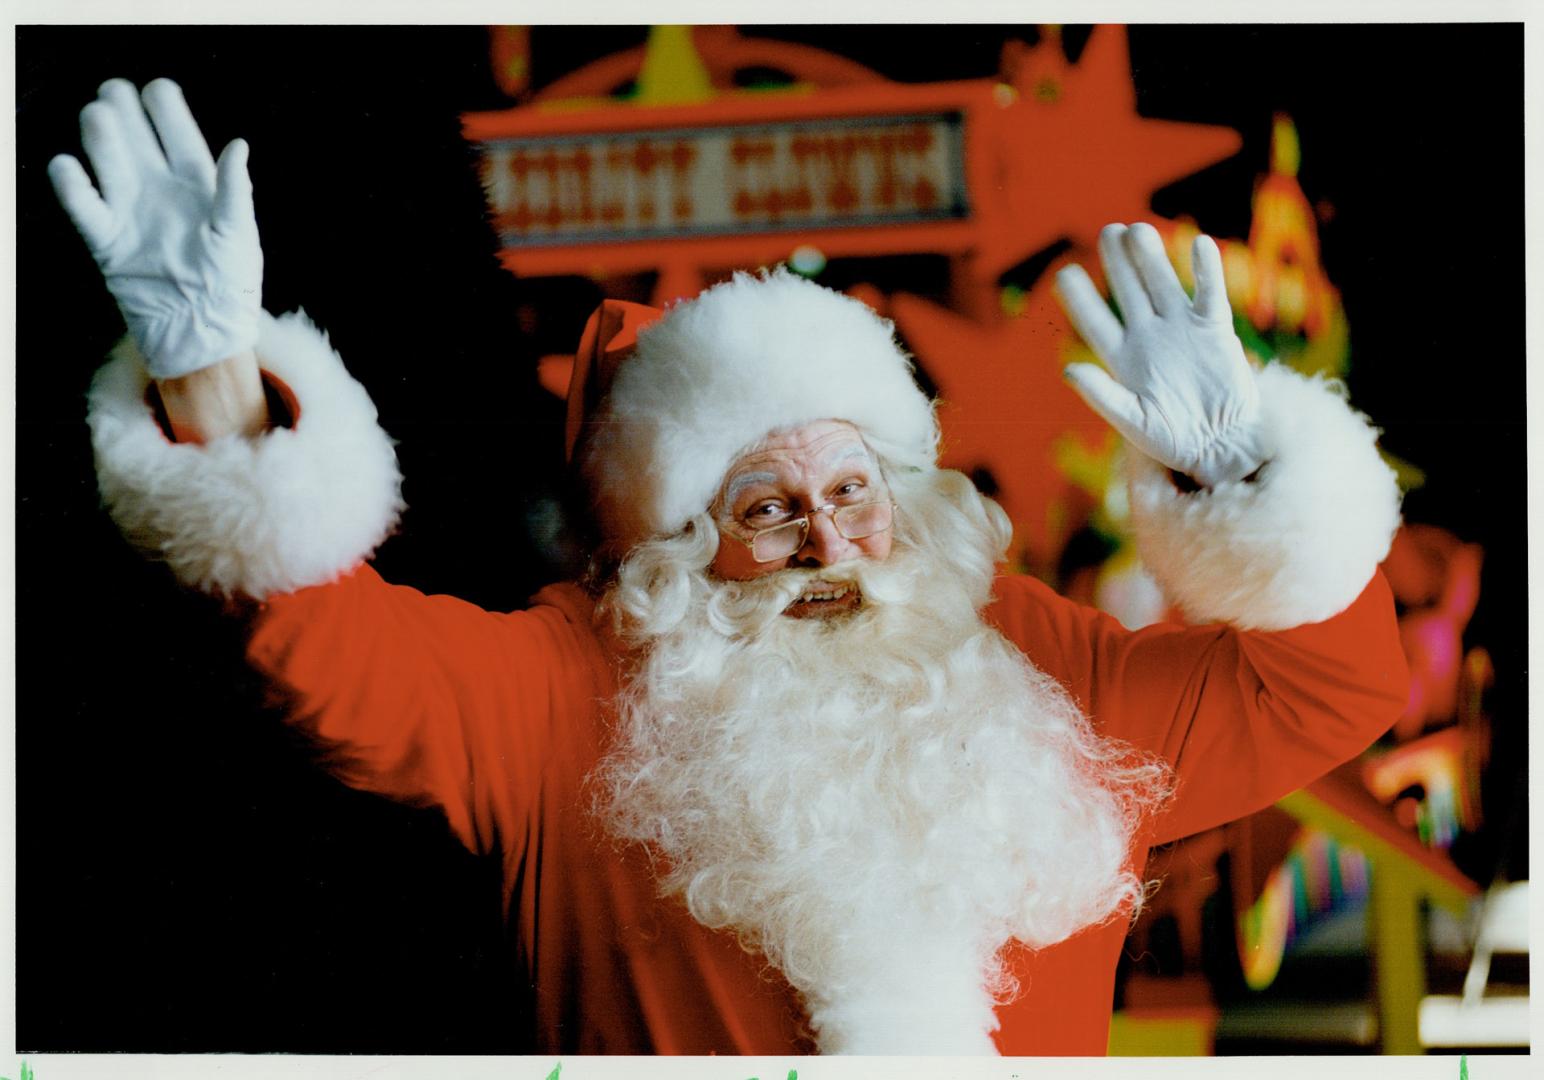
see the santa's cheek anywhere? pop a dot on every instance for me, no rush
(876, 547)
(734, 562)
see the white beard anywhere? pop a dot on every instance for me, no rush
(878, 802)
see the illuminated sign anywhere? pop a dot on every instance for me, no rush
(726, 180)
(976, 168)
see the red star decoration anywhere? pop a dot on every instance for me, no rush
(1003, 407)
(1073, 155)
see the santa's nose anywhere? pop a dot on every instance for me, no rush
(824, 545)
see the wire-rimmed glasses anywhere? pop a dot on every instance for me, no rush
(852, 522)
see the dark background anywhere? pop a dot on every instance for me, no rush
(186, 880)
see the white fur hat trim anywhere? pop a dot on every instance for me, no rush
(254, 517)
(1295, 546)
(718, 373)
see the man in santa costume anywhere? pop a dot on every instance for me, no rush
(794, 769)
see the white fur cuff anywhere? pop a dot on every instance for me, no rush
(1298, 544)
(254, 517)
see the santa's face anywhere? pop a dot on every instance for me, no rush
(779, 509)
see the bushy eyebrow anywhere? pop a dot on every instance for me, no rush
(744, 480)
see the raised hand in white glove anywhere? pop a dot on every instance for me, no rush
(1182, 391)
(173, 232)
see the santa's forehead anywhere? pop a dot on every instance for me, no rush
(818, 445)
(816, 437)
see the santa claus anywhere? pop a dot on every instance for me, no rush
(794, 768)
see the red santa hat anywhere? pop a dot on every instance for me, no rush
(661, 405)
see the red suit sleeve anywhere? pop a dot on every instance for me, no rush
(429, 699)
(1243, 717)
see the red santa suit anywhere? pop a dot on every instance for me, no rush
(497, 719)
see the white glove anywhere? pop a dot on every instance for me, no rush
(1186, 395)
(173, 232)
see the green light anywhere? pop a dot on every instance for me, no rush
(807, 260)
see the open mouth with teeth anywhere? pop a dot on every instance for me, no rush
(823, 599)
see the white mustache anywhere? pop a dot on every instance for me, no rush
(746, 607)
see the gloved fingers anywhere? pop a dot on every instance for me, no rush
(1152, 262)
(1211, 284)
(1119, 406)
(133, 124)
(233, 189)
(1091, 316)
(93, 219)
(186, 151)
(116, 170)
(1125, 285)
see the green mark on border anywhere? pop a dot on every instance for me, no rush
(553, 1075)
(793, 1074)
(1463, 1067)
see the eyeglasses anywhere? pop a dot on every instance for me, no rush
(852, 522)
